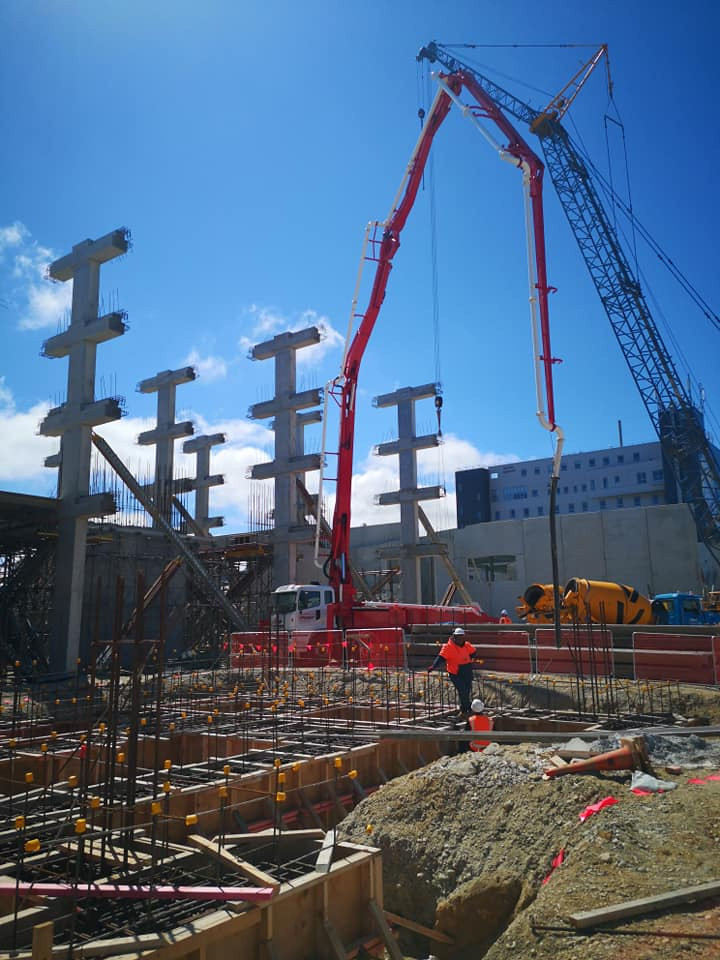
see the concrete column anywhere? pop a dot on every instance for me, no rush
(409, 494)
(166, 432)
(73, 422)
(290, 459)
(203, 479)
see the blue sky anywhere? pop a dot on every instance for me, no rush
(246, 145)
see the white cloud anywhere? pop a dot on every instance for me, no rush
(266, 322)
(24, 450)
(13, 235)
(47, 302)
(38, 302)
(209, 368)
(6, 396)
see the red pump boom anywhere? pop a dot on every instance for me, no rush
(344, 388)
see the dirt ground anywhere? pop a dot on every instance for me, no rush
(468, 840)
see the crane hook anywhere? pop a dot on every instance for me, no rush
(438, 411)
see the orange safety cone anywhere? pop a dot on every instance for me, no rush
(631, 756)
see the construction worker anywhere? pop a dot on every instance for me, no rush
(457, 655)
(478, 720)
(504, 617)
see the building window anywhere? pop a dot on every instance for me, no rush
(591, 462)
(657, 475)
(534, 493)
(526, 512)
(564, 467)
(636, 458)
(642, 477)
(619, 502)
(606, 461)
(592, 484)
(575, 488)
(537, 470)
(617, 479)
(565, 489)
(603, 505)
(571, 508)
(583, 487)
(541, 511)
(605, 483)
(494, 476)
(636, 501)
(584, 506)
(621, 458)
(514, 493)
(491, 568)
(512, 514)
(655, 499)
(577, 464)
(497, 514)
(523, 472)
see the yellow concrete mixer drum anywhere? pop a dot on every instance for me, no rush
(609, 602)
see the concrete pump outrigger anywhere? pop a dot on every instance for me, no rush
(384, 241)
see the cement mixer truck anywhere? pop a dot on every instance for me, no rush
(601, 601)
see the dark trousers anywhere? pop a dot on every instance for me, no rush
(462, 681)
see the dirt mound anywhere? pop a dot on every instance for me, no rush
(468, 841)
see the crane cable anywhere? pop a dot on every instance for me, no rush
(618, 123)
(613, 198)
(424, 96)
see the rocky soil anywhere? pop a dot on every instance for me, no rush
(468, 840)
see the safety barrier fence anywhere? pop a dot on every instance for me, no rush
(644, 656)
(377, 647)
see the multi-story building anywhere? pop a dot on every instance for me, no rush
(628, 476)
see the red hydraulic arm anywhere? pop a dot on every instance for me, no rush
(345, 387)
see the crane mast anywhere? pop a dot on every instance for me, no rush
(668, 402)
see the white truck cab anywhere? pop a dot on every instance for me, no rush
(300, 606)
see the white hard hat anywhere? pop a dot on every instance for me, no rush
(458, 632)
(477, 706)
(503, 613)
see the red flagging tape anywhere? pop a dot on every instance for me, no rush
(555, 863)
(597, 807)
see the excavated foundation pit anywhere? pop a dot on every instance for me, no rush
(256, 768)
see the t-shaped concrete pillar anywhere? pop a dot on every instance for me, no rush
(409, 494)
(203, 479)
(166, 432)
(290, 459)
(73, 422)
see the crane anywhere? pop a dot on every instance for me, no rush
(676, 419)
(382, 241)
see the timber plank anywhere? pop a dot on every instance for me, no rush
(633, 908)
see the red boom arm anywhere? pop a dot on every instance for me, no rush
(338, 567)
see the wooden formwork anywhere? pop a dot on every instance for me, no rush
(328, 914)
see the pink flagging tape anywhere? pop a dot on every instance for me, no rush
(597, 807)
(557, 860)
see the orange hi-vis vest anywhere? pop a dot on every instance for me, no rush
(478, 722)
(455, 656)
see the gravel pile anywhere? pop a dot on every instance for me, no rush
(468, 840)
